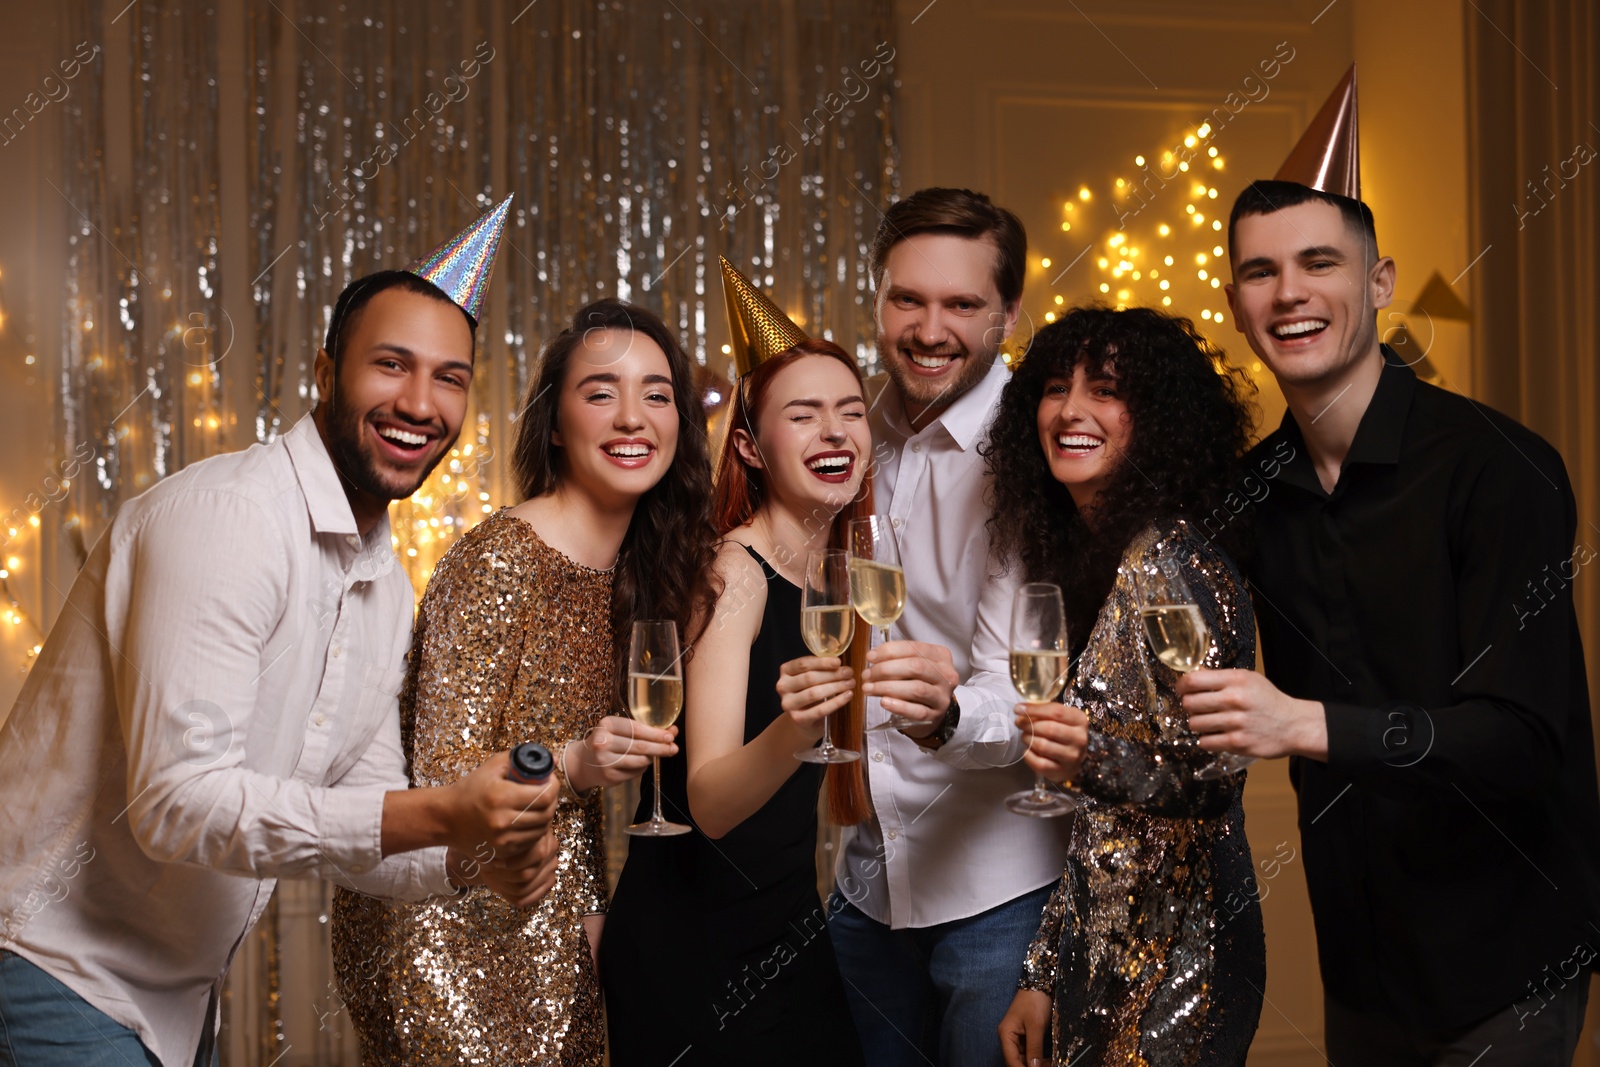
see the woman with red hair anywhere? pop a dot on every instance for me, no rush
(717, 947)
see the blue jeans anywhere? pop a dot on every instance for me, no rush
(934, 995)
(45, 1024)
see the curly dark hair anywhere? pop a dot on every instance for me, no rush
(1192, 417)
(663, 567)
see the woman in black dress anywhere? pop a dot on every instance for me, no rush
(716, 948)
(1115, 446)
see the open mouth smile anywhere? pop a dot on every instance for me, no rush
(1078, 445)
(929, 363)
(832, 467)
(630, 453)
(402, 445)
(1299, 331)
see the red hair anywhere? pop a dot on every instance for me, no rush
(739, 493)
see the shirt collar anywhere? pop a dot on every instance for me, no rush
(964, 420)
(1378, 434)
(319, 481)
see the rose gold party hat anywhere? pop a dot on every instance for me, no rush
(1328, 155)
(462, 265)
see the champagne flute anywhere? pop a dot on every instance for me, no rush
(877, 585)
(1040, 664)
(655, 697)
(1179, 637)
(827, 624)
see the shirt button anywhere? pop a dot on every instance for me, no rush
(354, 541)
(336, 651)
(894, 834)
(916, 446)
(321, 719)
(877, 757)
(895, 523)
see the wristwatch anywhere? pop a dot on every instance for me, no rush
(947, 727)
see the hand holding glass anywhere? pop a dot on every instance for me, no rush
(827, 624)
(1040, 664)
(655, 697)
(1179, 637)
(877, 585)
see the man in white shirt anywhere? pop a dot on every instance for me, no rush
(216, 709)
(941, 889)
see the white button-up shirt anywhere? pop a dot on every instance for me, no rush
(215, 709)
(940, 844)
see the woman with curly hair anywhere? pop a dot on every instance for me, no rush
(1119, 433)
(523, 635)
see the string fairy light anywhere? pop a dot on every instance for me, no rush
(13, 616)
(1138, 255)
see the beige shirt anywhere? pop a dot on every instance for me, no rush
(940, 844)
(214, 709)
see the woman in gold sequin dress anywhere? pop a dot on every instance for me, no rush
(517, 640)
(1115, 446)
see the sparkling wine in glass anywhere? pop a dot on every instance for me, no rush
(1179, 637)
(655, 697)
(1040, 664)
(827, 624)
(877, 585)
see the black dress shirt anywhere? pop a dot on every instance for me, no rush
(1452, 838)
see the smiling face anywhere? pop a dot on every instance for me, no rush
(1306, 291)
(394, 403)
(616, 423)
(812, 440)
(1084, 429)
(940, 318)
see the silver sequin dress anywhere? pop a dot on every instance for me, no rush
(1151, 944)
(513, 643)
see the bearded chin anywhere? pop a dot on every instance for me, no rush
(356, 466)
(972, 366)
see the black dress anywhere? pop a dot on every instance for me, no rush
(717, 952)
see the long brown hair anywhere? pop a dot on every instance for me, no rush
(663, 568)
(739, 494)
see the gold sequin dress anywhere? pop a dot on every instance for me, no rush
(513, 643)
(1152, 943)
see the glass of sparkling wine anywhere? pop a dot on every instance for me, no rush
(1040, 663)
(655, 697)
(1179, 637)
(827, 624)
(877, 585)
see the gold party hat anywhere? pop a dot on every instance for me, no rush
(1328, 155)
(757, 328)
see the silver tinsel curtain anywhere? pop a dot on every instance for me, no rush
(641, 141)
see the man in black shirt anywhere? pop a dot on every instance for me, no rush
(1413, 589)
